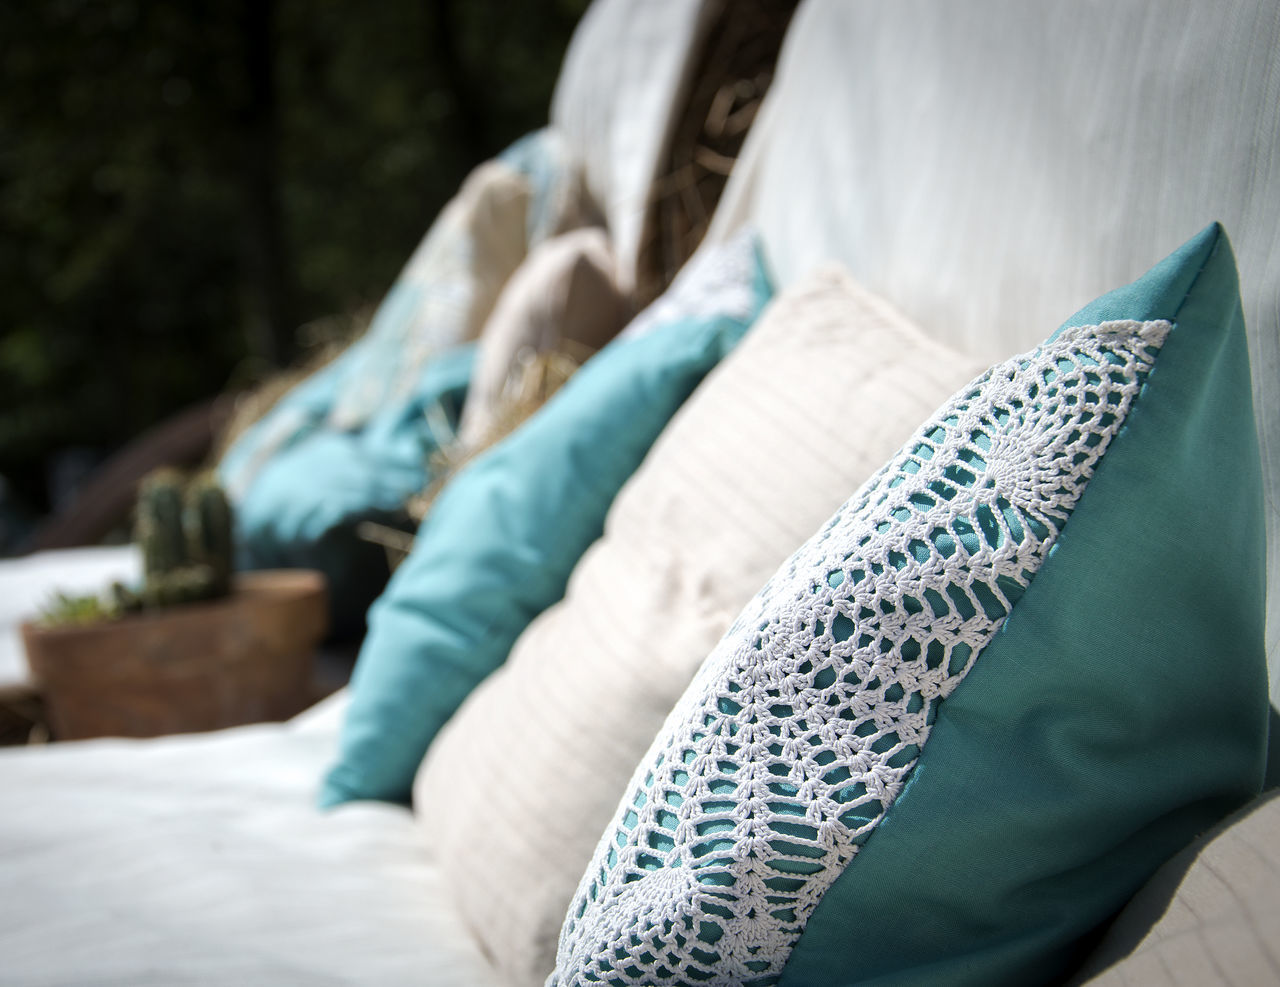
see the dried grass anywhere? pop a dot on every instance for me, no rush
(324, 340)
(536, 378)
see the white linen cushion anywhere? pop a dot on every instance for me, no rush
(444, 293)
(516, 790)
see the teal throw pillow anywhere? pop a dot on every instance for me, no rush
(352, 442)
(308, 498)
(503, 536)
(1019, 669)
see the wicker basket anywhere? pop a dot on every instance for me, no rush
(204, 666)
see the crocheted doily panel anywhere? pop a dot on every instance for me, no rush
(721, 280)
(805, 722)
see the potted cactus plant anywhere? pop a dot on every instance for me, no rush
(195, 646)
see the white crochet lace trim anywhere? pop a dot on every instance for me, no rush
(806, 720)
(720, 280)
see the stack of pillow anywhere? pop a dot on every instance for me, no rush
(746, 470)
(354, 441)
(499, 543)
(949, 737)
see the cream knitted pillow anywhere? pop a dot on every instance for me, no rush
(516, 790)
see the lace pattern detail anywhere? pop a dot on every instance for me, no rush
(718, 281)
(805, 722)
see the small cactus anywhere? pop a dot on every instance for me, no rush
(158, 527)
(185, 531)
(124, 600)
(207, 520)
(186, 584)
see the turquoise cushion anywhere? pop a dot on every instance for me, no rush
(1122, 711)
(307, 472)
(966, 721)
(295, 415)
(502, 538)
(307, 499)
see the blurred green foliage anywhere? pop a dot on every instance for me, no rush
(184, 185)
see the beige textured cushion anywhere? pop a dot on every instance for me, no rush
(563, 292)
(1210, 916)
(516, 791)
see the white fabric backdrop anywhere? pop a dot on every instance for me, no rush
(991, 166)
(624, 77)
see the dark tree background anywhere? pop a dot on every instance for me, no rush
(185, 185)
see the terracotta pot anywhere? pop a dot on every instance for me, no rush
(203, 666)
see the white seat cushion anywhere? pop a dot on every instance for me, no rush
(202, 859)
